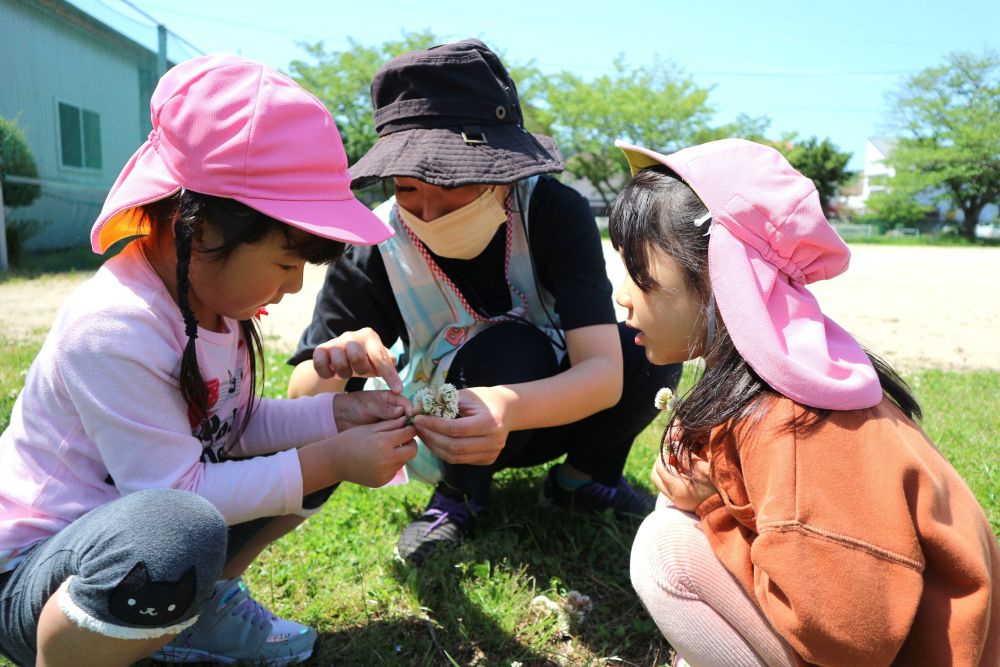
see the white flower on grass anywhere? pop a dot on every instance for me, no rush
(577, 606)
(665, 400)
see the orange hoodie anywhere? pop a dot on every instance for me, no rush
(856, 538)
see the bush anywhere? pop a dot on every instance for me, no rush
(17, 160)
(19, 232)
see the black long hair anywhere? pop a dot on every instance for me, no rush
(656, 209)
(186, 213)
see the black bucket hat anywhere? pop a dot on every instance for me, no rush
(449, 116)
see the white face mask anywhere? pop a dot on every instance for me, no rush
(465, 232)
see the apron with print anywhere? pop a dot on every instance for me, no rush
(437, 318)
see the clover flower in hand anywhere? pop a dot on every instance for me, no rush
(442, 403)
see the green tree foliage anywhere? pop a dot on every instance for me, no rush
(950, 121)
(654, 106)
(17, 161)
(822, 162)
(895, 208)
(342, 81)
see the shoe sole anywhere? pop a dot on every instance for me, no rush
(197, 655)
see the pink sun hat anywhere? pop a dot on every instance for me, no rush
(768, 240)
(234, 128)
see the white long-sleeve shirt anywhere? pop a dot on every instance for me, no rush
(101, 415)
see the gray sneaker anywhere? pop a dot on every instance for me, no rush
(234, 628)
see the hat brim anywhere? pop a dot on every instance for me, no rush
(146, 178)
(639, 158)
(346, 220)
(779, 329)
(441, 157)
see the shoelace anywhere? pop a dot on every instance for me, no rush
(253, 611)
(443, 507)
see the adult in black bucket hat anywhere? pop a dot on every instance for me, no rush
(494, 282)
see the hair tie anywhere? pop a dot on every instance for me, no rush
(191, 329)
(698, 222)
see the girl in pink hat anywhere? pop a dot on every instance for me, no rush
(140, 473)
(804, 517)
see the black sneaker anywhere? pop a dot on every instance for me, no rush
(445, 522)
(594, 497)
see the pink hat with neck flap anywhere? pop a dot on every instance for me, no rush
(230, 127)
(769, 239)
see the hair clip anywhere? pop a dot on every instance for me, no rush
(698, 222)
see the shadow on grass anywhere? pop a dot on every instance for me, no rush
(556, 551)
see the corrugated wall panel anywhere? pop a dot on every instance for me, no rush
(43, 61)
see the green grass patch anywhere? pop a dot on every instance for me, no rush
(473, 605)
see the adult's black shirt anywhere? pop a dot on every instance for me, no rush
(565, 247)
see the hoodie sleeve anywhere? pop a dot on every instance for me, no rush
(117, 368)
(278, 424)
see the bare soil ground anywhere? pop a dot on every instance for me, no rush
(920, 307)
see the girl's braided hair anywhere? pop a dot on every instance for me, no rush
(184, 213)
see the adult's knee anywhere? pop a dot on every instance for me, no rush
(504, 353)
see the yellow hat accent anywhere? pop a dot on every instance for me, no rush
(130, 222)
(637, 160)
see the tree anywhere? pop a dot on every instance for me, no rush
(342, 81)
(16, 160)
(652, 106)
(895, 208)
(822, 162)
(950, 144)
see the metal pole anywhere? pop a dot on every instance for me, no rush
(3, 221)
(161, 53)
(3, 227)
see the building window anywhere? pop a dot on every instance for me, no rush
(80, 137)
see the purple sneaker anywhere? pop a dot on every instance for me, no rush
(446, 521)
(594, 497)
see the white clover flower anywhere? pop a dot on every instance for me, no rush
(443, 403)
(665, 400)
(423, 401)
(448, 400)
(547, 606)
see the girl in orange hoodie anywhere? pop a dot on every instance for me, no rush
(804, 517)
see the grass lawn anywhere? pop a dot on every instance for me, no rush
(473, 605)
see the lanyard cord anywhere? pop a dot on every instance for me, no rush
(440, 274)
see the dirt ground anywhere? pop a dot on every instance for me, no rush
(919, 307)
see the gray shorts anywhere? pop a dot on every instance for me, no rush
(138, 567)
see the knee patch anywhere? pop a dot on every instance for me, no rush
(152, 570)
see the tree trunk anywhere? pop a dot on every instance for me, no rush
(971, 220)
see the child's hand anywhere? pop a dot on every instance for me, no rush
(372, 454)
(357, 354)
(686, 493)
(358, 408)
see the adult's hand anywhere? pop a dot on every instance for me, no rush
(478, 435)
(358, 408)
(357, 354)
